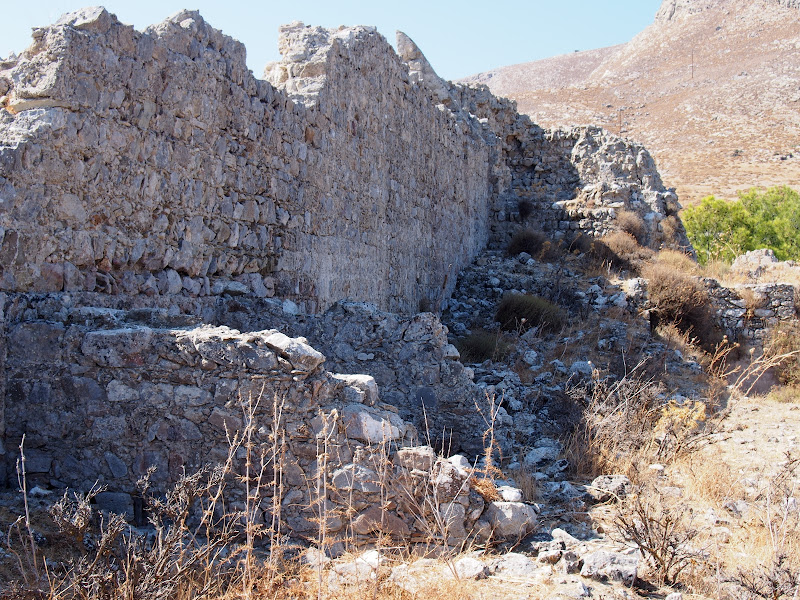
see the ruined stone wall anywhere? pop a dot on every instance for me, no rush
(155, 163)
(102, 395)
(748, 312)
(574, 180)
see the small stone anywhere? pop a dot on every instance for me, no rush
(115, 502)
(609, 487)
(511, 519)
(610, 566)
(421, 458)
(470, 568)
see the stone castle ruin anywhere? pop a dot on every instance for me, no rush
(174, 231)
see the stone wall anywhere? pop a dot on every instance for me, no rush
(103, 395)
(748, 312)
(573, 181)
(155, 163)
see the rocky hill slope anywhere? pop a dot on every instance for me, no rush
(711, 88)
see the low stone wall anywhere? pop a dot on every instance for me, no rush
(747, 312)
(102, 395)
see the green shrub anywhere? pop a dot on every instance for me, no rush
(719, 229)
(481, 345)
(520, 312)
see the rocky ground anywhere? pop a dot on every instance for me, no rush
(722, 478)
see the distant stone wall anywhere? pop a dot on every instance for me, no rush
(747, 312)
(154, 163)
(573, 181)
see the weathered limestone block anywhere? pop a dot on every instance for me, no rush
(510, 519)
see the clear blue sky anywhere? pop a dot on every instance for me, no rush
(458, 38)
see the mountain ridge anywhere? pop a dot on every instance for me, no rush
(712, 88)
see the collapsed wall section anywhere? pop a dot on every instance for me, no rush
(106, 396)
(567, 182)
(155, 163)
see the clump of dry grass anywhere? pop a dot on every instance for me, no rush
(632, 224)
(617, 251)
(481, 345)
(626, 425)
(520, 312)
(675, 259)
(616, 425)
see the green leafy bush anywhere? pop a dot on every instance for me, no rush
(722, 230)
(520, 312)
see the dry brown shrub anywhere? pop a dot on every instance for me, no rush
(627, 248)
(678, 298)
(485, 487)
(663, 530)
(632, 224)
(670, 229)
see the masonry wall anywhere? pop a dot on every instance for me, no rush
(156, 163)
(104, 395)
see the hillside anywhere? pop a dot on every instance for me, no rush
(711, 88)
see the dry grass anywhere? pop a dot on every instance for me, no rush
(537, 244)
(675, 259)
(481, 345)
(520, 312)
(789, 394)
(616, 427)
(784, 339)
(670, 229)
(632, 224)
(717, 269)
